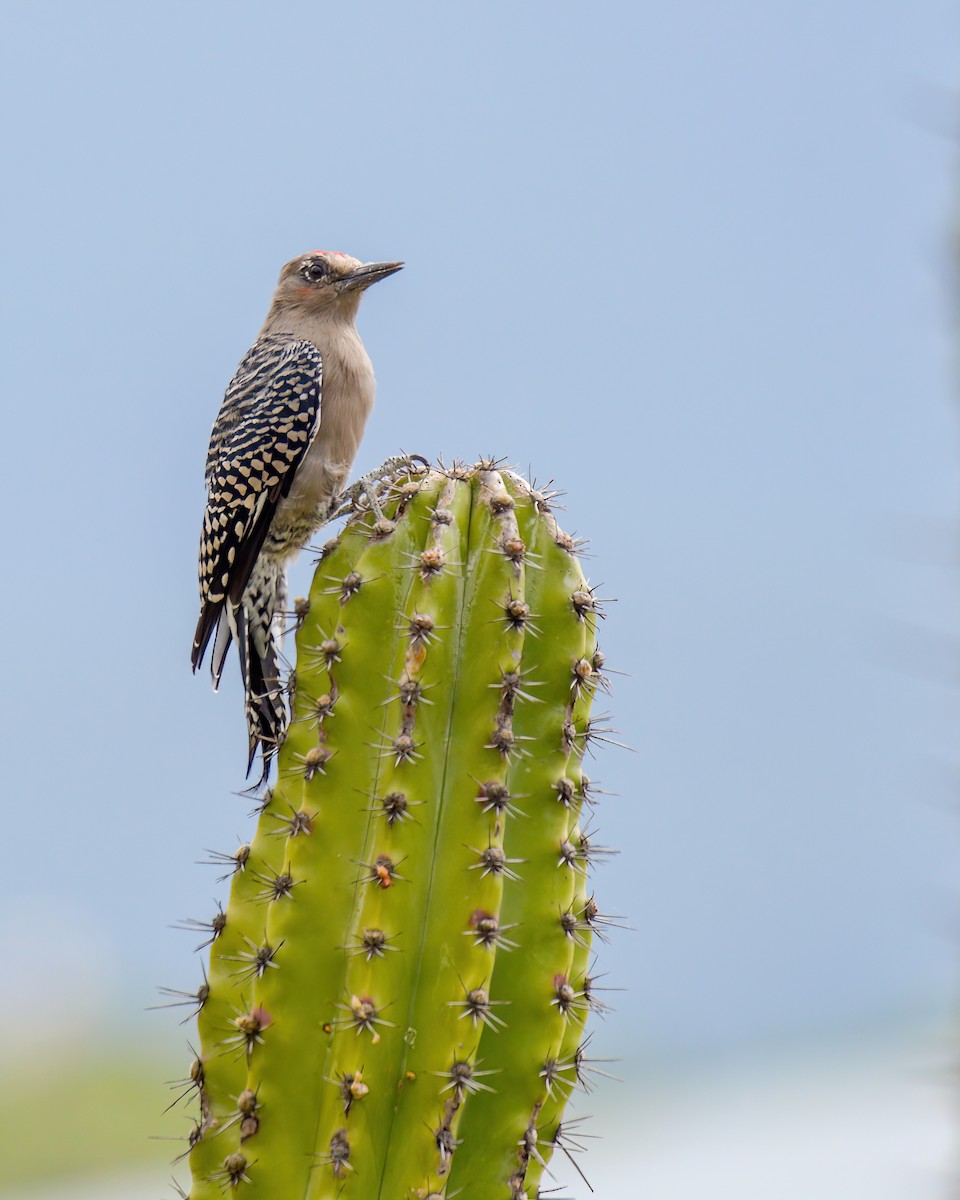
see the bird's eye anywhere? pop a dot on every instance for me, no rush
(313, 271)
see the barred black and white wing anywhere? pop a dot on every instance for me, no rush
(268, 420)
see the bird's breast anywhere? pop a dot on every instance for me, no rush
(347, 396)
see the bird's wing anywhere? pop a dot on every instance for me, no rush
(269, 417)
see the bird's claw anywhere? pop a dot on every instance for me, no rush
(365, 494)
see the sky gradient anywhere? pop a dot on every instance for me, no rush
(689, 260)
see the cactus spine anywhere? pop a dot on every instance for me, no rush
(398, 986)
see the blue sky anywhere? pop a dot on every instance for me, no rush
(691, 261)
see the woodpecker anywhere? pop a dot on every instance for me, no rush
(280, 452)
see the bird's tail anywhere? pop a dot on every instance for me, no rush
(255, 624)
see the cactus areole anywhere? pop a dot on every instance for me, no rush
(397, 989)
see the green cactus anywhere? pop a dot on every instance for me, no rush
(398, 986)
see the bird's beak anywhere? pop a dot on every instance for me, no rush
(369, 273)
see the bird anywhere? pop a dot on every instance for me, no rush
(280, 453)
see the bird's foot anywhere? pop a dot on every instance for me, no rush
(364, 495)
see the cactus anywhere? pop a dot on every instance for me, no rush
(398, 986)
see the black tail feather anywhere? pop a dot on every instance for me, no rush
(210, 616)
(263, 695)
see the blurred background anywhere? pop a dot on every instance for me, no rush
(694, 262)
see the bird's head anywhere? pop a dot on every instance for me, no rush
(328, 280)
